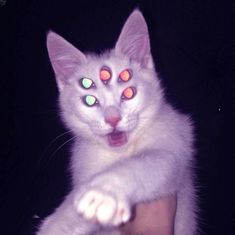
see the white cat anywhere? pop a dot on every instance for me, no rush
(132, 146)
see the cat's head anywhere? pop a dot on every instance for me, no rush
(109, 98)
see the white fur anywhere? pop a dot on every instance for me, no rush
(156, 161)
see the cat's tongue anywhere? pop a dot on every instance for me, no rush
(117, 138)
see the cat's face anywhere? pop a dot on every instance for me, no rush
(109, 109)
(112, 97)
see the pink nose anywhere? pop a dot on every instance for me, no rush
(113, 120)
(112, 115)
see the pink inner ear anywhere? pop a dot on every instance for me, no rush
(134, 38)
(65, 58)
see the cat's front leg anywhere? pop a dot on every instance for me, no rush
(66, 221)
(108, 197)
(103, 201)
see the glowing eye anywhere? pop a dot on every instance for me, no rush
(105, 74)
(125, 75)
(86, 83)
(90, 100)
(129, 93)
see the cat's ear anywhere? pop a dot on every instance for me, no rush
(133, 41)
(64, 57)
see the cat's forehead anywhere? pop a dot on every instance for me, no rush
(114, 64)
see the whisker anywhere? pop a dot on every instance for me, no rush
(57, 150)
(50, 144)
(49, 159)
(61, 146)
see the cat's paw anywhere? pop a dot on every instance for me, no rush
(107, 207)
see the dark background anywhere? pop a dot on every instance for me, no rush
(193, 45)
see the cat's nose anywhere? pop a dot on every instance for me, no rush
(113, 121)
(112, 116)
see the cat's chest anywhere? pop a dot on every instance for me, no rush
(89, 161)
(100, 159)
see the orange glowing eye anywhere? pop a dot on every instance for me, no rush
(125, 75)
(129, 93)
(105, 74)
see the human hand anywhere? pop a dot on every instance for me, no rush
(153, 218)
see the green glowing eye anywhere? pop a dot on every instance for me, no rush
(86, 83)
(90, 100)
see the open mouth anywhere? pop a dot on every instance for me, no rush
(117, 138)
